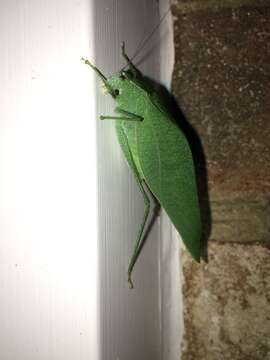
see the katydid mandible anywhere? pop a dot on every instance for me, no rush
(157, 153)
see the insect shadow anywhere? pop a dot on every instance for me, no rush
(199, 162)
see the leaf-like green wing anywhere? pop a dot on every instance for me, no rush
(167, 165)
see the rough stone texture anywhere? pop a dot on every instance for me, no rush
(222, 83)
(227, 304)
(221, 79)
(238, 219)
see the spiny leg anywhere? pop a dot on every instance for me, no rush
(101, 75)
(127, 151)
(140, 237)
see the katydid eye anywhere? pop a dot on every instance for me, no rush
(116, 92)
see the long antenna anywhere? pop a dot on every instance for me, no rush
(145, 41)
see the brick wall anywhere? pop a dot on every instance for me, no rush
(221, 81)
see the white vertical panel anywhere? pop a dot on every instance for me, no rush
(48, 228)
(130, 327)
(49, 305)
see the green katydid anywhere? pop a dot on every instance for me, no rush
(158, 154)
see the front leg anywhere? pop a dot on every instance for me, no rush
(126, 116)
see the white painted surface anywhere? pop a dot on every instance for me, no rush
(48, 207)
(130, 324)
(64, 292)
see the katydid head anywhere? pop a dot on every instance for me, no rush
(116, 84)
(129, 89)
(122, 86)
